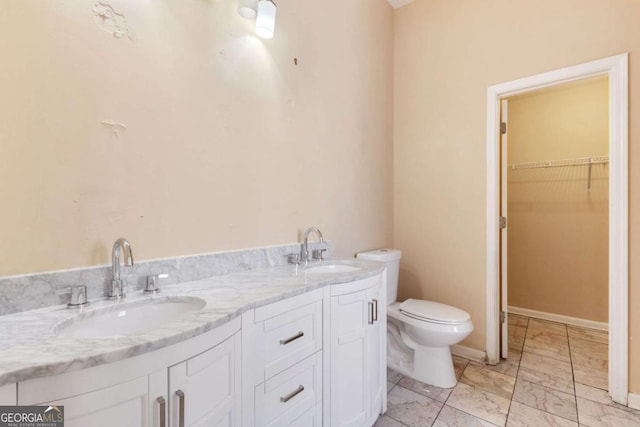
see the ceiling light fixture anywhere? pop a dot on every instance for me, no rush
(263, 11)
(266, 19)
(248, 8)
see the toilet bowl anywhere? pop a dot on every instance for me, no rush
(427, 330)
(420, 332)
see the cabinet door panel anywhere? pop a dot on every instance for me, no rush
(210, 383)
(215, 421)
(123, 405)
(8, 395)
(349, 382)
(311, 418)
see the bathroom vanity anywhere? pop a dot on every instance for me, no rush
(275, 347)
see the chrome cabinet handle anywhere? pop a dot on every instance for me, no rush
(288, 397)
(163, 403)
(293, 338)
(370, 313)
(375, 313)
(180, 395)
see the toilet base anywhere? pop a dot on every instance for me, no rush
(430, 365)
(409, 353)
(434, 366)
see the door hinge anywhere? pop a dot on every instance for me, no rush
(503, 316)
(503, 128)
(503, 222)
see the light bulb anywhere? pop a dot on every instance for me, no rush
(266, 20)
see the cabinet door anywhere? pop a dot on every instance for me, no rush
(350, 317)
(377, 385)
(8, 395)
(123, 405)
(205, 390)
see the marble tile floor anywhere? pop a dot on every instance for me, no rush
(555, 375)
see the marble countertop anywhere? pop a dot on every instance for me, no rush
(30, 348)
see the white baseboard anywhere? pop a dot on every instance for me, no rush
(469, 353)
(634, 401)
(583, 323)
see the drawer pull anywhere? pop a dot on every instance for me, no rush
(293, 394)
(162, 402)
(293, 338)
(375, 310)
(180, 395)
(370, 313)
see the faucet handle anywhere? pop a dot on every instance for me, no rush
(294, 259)
(77, 295)
(318, 254)
(152, 283)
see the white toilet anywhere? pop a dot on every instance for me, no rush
(419, 332)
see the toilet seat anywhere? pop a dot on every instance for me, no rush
(434, 312)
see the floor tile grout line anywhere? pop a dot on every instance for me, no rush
(515, 383)
(542, 410)
(458, 382)
(575, 393)
(464, 412)
(440, 410)
(575, 396)
(396, 420)
(533, 407)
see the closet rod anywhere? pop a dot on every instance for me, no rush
(583, 161)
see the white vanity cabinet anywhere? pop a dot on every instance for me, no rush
(8, 395)
(144, 391)
(312, 360)
(357, 352)
(282, 363)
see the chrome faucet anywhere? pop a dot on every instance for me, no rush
(121, 245)
(304, 252)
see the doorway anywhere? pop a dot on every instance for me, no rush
(615, 70)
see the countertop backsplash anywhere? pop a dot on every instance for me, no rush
(38, 290)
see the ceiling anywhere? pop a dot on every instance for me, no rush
(398, 3)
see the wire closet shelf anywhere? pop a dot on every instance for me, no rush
(581, 161)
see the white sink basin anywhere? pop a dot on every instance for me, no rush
(127, 318)
(333, 268)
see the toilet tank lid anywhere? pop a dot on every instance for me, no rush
(434, 311)
(382, 255)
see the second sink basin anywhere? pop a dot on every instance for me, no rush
(127, 318)
(333, 268)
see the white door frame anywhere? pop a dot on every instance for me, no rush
(616, 68)
(504, 300)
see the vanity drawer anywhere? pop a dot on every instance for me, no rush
(287, 338)
(311, 418)
(291, 397)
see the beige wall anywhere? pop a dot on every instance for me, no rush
(228, 144)
(558, 240)
(446, 55)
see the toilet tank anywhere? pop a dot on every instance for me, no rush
(391, 257)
